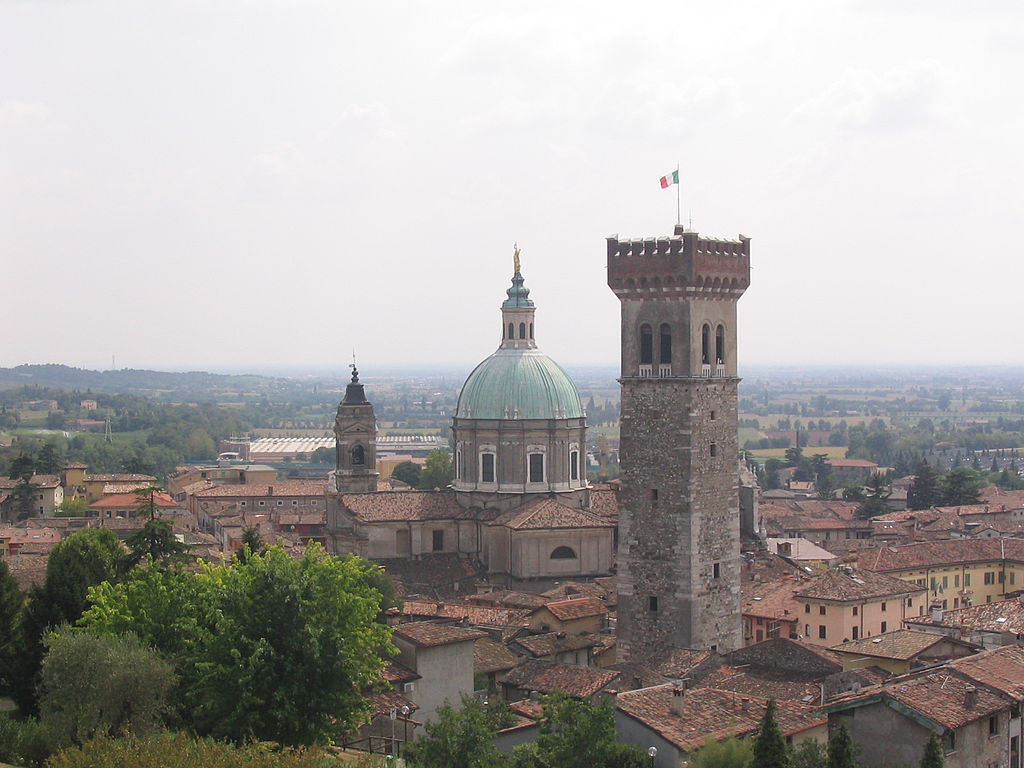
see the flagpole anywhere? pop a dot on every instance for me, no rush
(679, 218)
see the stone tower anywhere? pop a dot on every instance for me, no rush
(355, 439)
(679, 535)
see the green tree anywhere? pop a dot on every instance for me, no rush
(770, 748)
(577, 734)
(24, 499)
(274, 648)
(961, 487)
(840, 749)
(11, 600)
(876, 491)
(461, 738)
(82, 560)
(323, 455)
(437, 471)
(408, 472)
(810, 754)
(156, 541)
(727, 753)
(826, 487)
(923, 492)
(252, 544)
(72, 506)
(932, 757)
(22, 467)
(94, 684)
(48, 461)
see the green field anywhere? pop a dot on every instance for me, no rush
(832, 451)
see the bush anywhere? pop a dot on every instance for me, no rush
(24, 742)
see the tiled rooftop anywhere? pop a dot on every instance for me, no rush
(901, 645)
(427, 635)
(999, 616)
(929, 554)
(547, 513)
(491, 656)
(133, 501)
(855, 584)
(999, 668)
(267, 490)
(550, 643)
(404, 506)
(548, 677)
(471, 614)
(577, 608)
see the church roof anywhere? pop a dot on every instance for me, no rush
(401, 506)
(519, 384)
(545, 513)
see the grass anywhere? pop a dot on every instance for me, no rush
(832, 451)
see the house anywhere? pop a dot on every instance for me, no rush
(770, 610)
(852, 469)
(558, 647)
(801, 551)
(577, 616)
(901, 651)
(833, 525)
(286, 496)
(584, 683)
(133, 505)
(677, 721)
(990, 625)
(95, 485)
(46, 496)
(442, 656)
(491, 659)
(185, 478)
(848, 604)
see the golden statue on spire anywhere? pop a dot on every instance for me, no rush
(515, 257)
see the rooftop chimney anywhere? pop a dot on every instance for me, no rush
(270, 490)
(970, 697)
(678, 695)
(936, 614)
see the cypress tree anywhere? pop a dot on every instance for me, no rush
(840, 749)
(770, 748)
(932, 757)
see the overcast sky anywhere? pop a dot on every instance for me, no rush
(254, 184)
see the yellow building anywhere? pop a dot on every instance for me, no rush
(901, 651)
(955, 572)
(848, 604)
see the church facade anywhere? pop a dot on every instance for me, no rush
(519, 503)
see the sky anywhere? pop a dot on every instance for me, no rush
(274, 184)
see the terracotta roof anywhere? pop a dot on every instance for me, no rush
(132, 501)
(401, 506)
(491, 656)
(396, 673)
(268, 490)
(427, 635)
(508, 599)
(999, 668)
(75, 465)
(572, 589)
(120, 478)
(605, 503)
(43, 481)
(940, 695)
(799, 549)
(384, 701)
(999, 616)
(110, 488)
(551, 643)
(672, 664)
(30, 535)
(708, 713)
(773, 599)
(861, 463)
(439, 576)
(858, 584)
(927, 554)
(545, 513)
(472, 614)
(782, 685)
(901, 645)
(576, 608)
(548, 677)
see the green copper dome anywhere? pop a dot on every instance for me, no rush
(519, 384)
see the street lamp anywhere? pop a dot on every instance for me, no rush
(653, 753)
(405, 725)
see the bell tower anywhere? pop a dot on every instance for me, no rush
(355, 440)
(679, 537)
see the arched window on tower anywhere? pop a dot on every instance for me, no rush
(522, 330)
(511, 331)
(720, 344)
(705, 344)
(358, 456)
(574, 465)
(665, 357)
(646, 345)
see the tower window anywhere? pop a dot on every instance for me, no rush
(666, 344)
(574, 465)
(646, 345)
(563, 553)
(720, 344)
(536, 468)
(486, 467)
(654, 494)
(716, 570)
(705, 344)
(652, 603)
(437, 540)
(522, 330)
(531, 330)
(458, 464)
(511, 331)
(358, 456)
(713, 450)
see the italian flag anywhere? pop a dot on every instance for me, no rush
(668, 181)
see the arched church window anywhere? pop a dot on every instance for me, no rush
(705, 344)
(574, 465)
(358, 456)
(522, 330)
(720, 344)
(646, 345)
(511, 331)
(536, 468)
(458, 464)
(531, 330)
(563, 553)
(666, 344)
(486, 467)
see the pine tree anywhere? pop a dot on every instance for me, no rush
(932, 757)
(924, 490)
(840, 749)
(770, 748)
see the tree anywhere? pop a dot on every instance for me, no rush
(24, 499)
(156, 541)
(961, 487)
(826, 487)
(876, 491)
(323, 455)
(94, 684)
(923, 492)
(437, 471)
(11, 600)
(461, 738)
(72, 506)
(48, 461)
(769, 747)
(577, 734)
(727, 753)
(252, 544)
(932, 757)
(840, 749)
(810, 754)
(408, 472)
(82, 560)
(22, 467)
(275, 648)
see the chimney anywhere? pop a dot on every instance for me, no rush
(270, 490)
(678, 694)
(936, 613)
(970, 697)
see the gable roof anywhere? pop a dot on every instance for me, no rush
(265, 490)
(491, 656)
(999, 668)
(928, 554)
(132, 501)
(900, 645)
(575, 608)
(471, 614)
(550, 643)
(404, 506)
(548, 677)
(428, 635)
(546, 513)
(848, 584)
(998, 616)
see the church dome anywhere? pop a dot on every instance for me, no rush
(519, 384)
